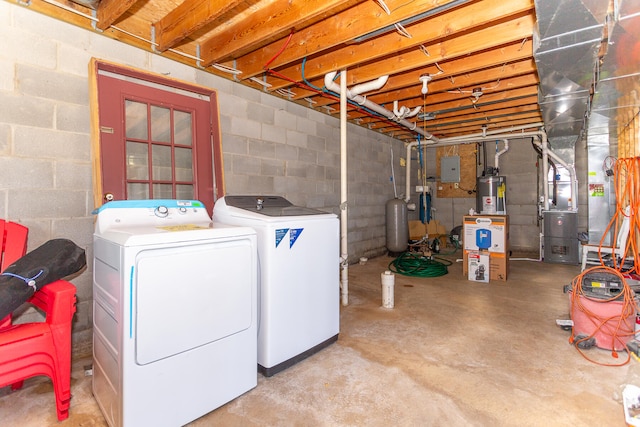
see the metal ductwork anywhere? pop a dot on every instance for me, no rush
(587, 54)
(566, 46)
(617, 96)
(588, 57)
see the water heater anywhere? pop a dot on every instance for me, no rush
(491, 195)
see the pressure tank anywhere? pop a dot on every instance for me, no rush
(397, 226)
(491, 196)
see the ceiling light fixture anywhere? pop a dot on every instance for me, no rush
(425, 79)
(476, 93)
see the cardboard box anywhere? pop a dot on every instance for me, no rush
(433, 228)
(417, 230)
(498, 265)
(478, 266)
(486, 232)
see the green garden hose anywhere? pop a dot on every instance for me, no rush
(414, 265)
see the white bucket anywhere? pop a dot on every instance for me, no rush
(388, 280)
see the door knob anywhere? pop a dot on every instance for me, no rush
(108, 197)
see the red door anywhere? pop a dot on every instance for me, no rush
(157, 141)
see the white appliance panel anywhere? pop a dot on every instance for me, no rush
(299, 284)
(184, 296)
(172, 301)
(302, 289)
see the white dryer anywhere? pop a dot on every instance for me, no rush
(175, 306)
(299, 285)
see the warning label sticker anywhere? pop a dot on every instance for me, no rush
(280, 233)
(293, 235)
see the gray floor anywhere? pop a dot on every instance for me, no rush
(451, 353)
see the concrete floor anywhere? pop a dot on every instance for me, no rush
(451, 353)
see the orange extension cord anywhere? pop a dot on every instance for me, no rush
(626, 173)
(612, 326)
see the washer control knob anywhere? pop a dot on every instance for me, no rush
(162, 211)
(182, 210)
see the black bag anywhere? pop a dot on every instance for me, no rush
(54, 260)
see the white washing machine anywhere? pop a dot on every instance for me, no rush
(174, 313)
(298, 280)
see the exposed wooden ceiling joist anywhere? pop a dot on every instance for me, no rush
(109, 11)
(189, 16)
(264, 44)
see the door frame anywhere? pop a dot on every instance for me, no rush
(95, 66)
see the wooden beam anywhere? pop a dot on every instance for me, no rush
(266, 25)
(507, 57)
(189, 16)
(109, 11)
(340, 28)
(491, 116)
(522, 73)
(399, 61)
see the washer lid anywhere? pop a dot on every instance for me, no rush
(268, 205)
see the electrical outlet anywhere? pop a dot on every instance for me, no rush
(456, 185)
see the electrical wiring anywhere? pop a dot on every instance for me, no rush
(417, 265)
(626, 174)
(616, 327)
(304, 78)
(286, 43)
(336, 96)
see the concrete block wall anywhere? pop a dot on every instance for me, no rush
(45, 169)
(269, 145)
(518, 164)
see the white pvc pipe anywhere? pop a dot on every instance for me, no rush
(344, 254)
(404, 111)
(407, 190)
(501, 152)
(502, 132)
(367, 86)
(400, 113)
(545, 172)
(546, 153)
(361, 100)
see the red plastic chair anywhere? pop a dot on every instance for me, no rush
(40, 348)
(13, 246)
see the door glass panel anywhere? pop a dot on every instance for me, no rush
(182, 128)
(184, 192)
(137, 160)
(137, 191)
(135, 119)
(162, 191)
(161, 161)
(184, 164)
(160, 124)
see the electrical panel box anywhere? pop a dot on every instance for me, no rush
(450, 169)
